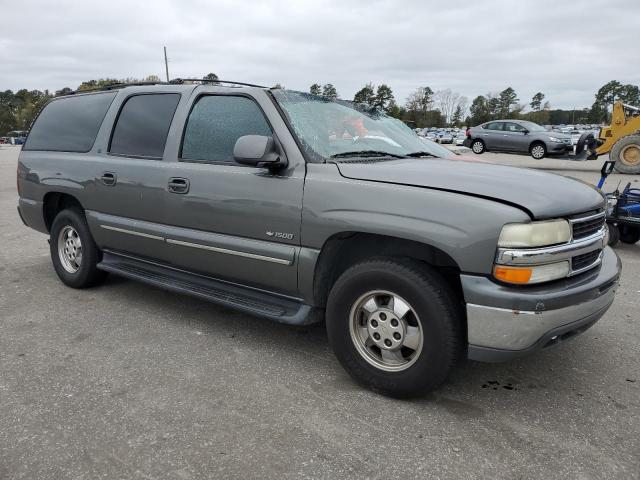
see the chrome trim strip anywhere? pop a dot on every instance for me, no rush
(586, 219)
(131, 232)
(254, 256)
(539, 256)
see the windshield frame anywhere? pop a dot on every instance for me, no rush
(311, 156)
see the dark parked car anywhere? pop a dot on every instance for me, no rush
(295, 208)
(517, 136)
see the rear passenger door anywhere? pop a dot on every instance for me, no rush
(235, 222)
(492, 134)
(131, 177)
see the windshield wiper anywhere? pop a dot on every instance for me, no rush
(366, 153)
(420, 154)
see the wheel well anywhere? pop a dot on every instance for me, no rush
(345, 249)
(55, 202)
(537, 142)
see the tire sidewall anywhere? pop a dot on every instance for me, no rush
(616, 152)
(86, 274)
(436, 357)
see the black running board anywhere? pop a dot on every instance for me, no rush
(255, 302)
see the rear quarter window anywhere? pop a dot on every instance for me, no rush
(69, 124)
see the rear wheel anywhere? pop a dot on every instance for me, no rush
(395, 326)
(478, 146)
(538, 150)
(626, 153)
(73, 252)
(629, 234)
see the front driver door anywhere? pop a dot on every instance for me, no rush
(235, 222)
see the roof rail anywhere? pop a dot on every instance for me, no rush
(175, 81)
(113, 86)
(207, 80)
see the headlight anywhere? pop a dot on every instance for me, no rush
(555, 139)
(535, 234)
(531, 274)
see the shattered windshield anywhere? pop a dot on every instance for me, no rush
(336, 128)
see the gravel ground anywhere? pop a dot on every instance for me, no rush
(127, 381)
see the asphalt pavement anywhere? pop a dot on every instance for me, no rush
(126, 381)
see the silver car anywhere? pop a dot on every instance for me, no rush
(517, 136)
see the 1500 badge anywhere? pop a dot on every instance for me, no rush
(285, 236)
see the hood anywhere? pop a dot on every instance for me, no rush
(542, 195)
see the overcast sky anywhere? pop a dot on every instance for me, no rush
(566, 49)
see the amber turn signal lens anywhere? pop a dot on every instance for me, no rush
(512, 274)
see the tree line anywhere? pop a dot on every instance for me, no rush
(428, 108)
(424, 107)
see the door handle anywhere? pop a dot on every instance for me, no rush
(178, 185)
(109, 179)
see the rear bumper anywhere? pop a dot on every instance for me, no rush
(32, 214)
(506, 322)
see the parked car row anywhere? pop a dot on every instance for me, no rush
(443, 135)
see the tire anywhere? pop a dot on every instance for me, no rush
(478, 147)
(629, 235)
(614, 234)
(429, 334)
(538, 150)
(73, 251)
(626, 153)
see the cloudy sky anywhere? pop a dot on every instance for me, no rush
(566, 49)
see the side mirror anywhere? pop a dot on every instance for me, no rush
(525, 131)
(258, 150)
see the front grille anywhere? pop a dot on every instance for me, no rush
(585, 260)
(586, 228)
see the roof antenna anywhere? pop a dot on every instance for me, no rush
(166, 64)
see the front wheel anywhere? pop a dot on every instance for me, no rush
(478, 147)
(73, 251)
(538, 151)
(395, 326)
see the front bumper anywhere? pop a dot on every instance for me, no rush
(505, 322)
(557, 147)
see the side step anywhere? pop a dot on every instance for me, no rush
(255, 302)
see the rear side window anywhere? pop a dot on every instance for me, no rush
(494, 126)
(143, 124)
(69, 124)
(214, 125)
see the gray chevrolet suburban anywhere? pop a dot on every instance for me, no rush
(297, 208)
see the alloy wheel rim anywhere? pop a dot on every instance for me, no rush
(538, 151)
(630, 155)
(69, 249)
(386, 330)
(477, 147)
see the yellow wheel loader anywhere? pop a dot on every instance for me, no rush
(621, 139)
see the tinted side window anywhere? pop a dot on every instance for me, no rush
(69, 124)
(142, 126)
(216, 122)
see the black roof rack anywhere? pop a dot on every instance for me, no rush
(175, 81)
(207, 80)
